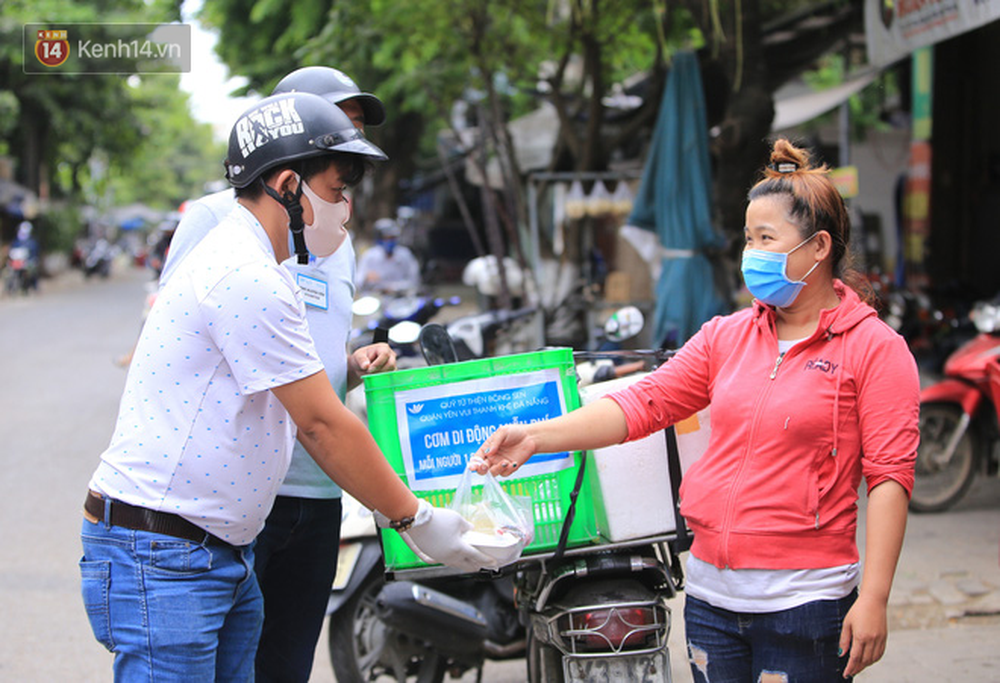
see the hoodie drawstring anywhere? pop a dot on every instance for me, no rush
(836, 405)
(836, 394)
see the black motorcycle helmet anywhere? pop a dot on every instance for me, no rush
(334, 86)
(284, 129)
(290, 127)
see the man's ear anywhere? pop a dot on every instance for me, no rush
(285, 180)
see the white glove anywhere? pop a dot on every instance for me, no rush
(436, 538)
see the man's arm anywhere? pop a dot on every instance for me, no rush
(325, 428)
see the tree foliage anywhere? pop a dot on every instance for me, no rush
(423, 55)
(135, 132)
(175, 157)
(500, 57)
(504, 56)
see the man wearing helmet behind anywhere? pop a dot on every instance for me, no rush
(388, 266)
(364, 109)
(296, 553)
(223, 368)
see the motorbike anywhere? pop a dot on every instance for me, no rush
(449, 633)
(933, 326)
(400, 316)
(490, 333)
(21, 277)
(471, 336)
(959, 434)
(591, 612)
(98, 259)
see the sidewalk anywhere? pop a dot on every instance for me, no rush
(966, 652)
(944, 612)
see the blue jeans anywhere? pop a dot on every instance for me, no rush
(797, 645)
(171, 609)
(296, 560)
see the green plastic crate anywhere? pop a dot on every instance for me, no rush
(550, 492)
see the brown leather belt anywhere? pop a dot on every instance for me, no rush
(144, 519)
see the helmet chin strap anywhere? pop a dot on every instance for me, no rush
(293, 205)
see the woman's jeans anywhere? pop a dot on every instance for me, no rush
(797, 645)
(171, 609)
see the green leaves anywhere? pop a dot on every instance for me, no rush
(420, 56)
(100, 138)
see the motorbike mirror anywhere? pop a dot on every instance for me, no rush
(365, 305)
(437, 345)
(404, 332)
(624, 323)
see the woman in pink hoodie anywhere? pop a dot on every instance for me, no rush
(810, 392)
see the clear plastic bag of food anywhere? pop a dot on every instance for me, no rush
(502, 525)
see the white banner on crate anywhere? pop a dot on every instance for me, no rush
(440, 427)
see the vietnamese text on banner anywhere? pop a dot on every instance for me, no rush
(440, 427)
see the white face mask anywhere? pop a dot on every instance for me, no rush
(327, 232)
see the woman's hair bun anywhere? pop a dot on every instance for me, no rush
(787, 158)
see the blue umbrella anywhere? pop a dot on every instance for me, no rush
(674, 201)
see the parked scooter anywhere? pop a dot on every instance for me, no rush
(488, 334)
(21, 278)
(22, 262)
(959, 434)
(934, 327)
(467, 619)
(402, 315)
(596, 612)
(606, 363)
(98, 259)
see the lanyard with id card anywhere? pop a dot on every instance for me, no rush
(315, 292)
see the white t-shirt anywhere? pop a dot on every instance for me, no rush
(393, 273)
(329, 292)
(197, 220)
(199, 434)
(767, 590)
(328, 285)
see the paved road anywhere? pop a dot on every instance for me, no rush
(58, 406)
(57, 409)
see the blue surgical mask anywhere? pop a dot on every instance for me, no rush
(388, 245)
(764, 273)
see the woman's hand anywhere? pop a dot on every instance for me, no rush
(864, 634)
(504, 451)
(596, 425)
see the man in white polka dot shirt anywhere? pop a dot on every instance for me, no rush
(295, 555)
(224, 366)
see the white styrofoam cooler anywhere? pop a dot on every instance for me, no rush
(631, 481)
